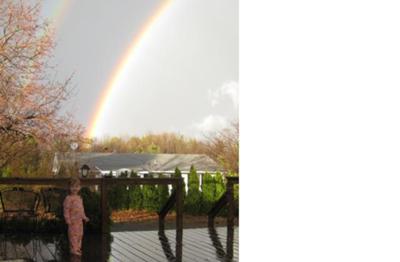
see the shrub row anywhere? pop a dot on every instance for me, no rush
(152, 198)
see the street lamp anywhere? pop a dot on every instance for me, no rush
(85, 170)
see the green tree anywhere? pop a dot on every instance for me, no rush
(192, 203)
(178, 174)
(118, 196)
(162, 193)
(135, 194)
(153, 149)
(208, 192)
(220, 187)
(150, 197)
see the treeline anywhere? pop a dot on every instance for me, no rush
(167, 143)
(222, 146)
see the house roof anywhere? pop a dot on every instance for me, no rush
(139, 162)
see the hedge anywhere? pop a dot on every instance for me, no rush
(193, 201)
(150, 197)
(135, 195)
(209, 193)
(163, 194)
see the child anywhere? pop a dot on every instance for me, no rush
(74, 213)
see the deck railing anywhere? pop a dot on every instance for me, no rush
(226, 199)
(165, 209)
(104, 184)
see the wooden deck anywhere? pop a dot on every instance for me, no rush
(34, 250)
(199, 244)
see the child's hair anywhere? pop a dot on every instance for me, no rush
(74, 181)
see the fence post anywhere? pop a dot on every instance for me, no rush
(104, 207)
(179, 220)
(231, 210)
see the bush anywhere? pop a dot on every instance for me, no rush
(192, 203)
(118, 197)
(163, 194)
(135, 195)
(220, 189)
(150, 197)
(208, 193)
(91, 202)
(220, 186)
(236, 197)
(177, 174)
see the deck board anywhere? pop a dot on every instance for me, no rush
(150, 246)
(132, 251)
(142, 246)
(197, 243)
(120, 256)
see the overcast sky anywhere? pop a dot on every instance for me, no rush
(184, 75)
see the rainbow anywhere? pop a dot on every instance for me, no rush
(59, 11)
(121, 66)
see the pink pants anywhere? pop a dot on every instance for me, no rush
(75, 233)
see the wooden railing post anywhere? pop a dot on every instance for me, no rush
(230, 222)
(179, 219)
(104, 207)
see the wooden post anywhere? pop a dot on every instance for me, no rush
(104, 207)
(104, 247)
(161, 224)
(179, 220)
(230, 222)
(165, 209)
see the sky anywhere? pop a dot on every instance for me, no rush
(148, 65)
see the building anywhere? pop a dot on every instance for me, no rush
(101, 164)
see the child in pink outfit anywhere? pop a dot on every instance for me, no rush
(74, 215)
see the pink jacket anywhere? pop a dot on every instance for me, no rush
(73, 209)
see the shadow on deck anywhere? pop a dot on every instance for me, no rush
(199, 244)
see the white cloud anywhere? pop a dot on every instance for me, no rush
(229, 89)
(210, 124)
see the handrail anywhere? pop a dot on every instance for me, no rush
(87, 181)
